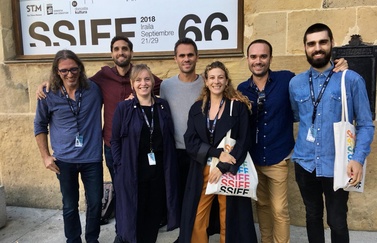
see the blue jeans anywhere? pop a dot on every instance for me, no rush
(109, 160)
(110, 165)
(92, 178)
(312, 188)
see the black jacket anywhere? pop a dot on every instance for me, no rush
(239, 216)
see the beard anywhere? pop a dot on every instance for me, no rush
(125, 63)
(319, 62)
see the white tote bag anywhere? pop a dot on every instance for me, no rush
(244, 183)
(344, 139)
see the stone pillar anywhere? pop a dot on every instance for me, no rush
(3, 210)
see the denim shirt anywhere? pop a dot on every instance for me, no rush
(272, 127)
(320, 154)
(54, 115)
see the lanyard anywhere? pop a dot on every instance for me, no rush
(212, 129)
(316, 102)
(77, 112)
(150, 125)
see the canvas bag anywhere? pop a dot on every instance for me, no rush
(244, 183)
(344, 140)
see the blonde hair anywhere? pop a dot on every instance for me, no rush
(229, 91)
(137, 69)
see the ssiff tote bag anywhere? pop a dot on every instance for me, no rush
(244, 183)
(344, 139)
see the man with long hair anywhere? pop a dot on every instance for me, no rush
(71, 113)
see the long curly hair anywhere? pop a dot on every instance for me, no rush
(55, 81)
(229, 91)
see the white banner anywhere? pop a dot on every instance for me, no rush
(87, 26)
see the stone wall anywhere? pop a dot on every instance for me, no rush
(28, 183)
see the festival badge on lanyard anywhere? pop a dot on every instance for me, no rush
(312, 133)
(79, 142)
(79, 139)
(151, 156)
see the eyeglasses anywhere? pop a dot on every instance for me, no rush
(74, 70)
(261, 99)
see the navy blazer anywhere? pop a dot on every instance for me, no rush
(127, 124)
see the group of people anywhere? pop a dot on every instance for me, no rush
(159, 136)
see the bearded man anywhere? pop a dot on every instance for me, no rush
(316, 103)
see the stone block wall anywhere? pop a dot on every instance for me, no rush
(28, 183)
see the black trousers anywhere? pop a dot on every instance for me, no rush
(312, 189)
(183, 166)
(151, 209)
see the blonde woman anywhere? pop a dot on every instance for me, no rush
(145, 163)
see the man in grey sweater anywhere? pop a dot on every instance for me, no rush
(181, 91)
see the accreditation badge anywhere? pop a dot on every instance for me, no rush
(151, 158)
(79, 141)
(311, 134)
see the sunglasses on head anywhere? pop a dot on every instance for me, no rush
(261, 99)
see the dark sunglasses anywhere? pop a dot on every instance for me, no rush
(74, 70)
(261, 99)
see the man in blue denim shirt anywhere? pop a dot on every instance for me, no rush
(72, 115)
(314, 151)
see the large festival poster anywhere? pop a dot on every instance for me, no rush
(87, 26)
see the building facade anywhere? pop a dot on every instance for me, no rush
(283, 23)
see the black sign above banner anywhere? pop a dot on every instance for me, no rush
(362, 59)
